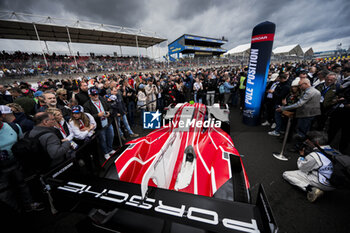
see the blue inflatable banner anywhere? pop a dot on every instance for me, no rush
(258, 68)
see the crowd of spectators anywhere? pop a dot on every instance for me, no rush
(87, 112)
(315, 94)
(20, 64)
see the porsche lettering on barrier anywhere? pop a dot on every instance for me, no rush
(193, 213)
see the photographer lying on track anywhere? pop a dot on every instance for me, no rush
(314, 168)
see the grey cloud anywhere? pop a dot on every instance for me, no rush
(122, 13)
(297, 21)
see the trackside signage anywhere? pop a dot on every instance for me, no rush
(259, 61)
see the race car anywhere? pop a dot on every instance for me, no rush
(185, 176)
(191, 153)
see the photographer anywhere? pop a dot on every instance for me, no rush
(314, 168)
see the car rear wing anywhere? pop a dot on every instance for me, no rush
(208, 213)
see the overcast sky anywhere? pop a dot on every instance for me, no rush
(317, 23)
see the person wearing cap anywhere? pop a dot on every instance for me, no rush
(307, 108)
(81, 123)
(39, 100)
(272, 83)
(99, 109)
(18, 118)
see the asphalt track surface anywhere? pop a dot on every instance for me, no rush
(293, 212)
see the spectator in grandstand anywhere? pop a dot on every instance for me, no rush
(16, 117)
(280, 93)
(82, 97)
(5, 95)
(307, 108)
(151, 93)
(56, 149)
(61, 125)
(26, 102)
(99, 109)
(314, 168)
(210, 87)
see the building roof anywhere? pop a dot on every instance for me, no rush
(289, 49)
(308, 51)
(239, 49)
(21, 26)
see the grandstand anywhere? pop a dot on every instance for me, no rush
(45, 28)
(196, 46)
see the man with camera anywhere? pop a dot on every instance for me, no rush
(314, 168)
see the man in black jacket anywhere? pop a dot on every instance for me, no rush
(120, 112)
(99, 109)
(280, 93)
(210, 87)
(82, 97)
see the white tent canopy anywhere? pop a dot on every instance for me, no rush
(308, 51)
(239, 50)
(289, 50)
